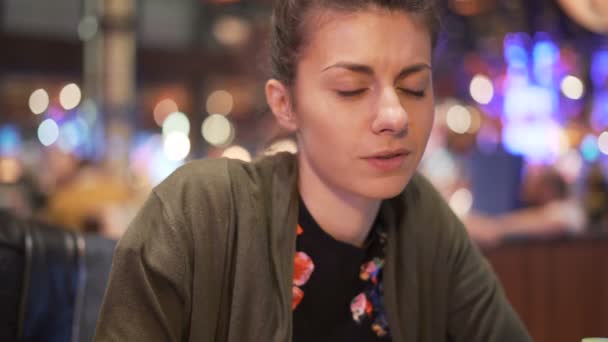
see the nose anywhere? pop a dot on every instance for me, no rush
(391, 118)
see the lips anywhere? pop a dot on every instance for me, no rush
(388, 160)
(387, 154)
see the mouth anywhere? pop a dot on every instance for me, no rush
(389, 160)
(388, 154)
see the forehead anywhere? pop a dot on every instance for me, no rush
(372, 35)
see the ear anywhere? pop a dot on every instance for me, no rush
(279, 101)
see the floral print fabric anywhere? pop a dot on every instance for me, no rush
(367, 306)
(302, 269)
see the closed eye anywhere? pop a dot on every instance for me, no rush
(414, 93)
(351, 93)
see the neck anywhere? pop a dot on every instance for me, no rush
(346, 217)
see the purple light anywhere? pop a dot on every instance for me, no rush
(599, 115)
(599, 69)
(55, 113)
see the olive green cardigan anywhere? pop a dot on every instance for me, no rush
(210, 258)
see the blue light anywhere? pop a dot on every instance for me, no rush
(516, 55)
(74, 137)
(69, 137)
(10, 140)
(589, 148)
(599, 68)
(545, 55)
(515, 52)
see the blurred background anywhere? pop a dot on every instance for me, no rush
(100, 100)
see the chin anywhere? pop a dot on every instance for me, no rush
(385, 187)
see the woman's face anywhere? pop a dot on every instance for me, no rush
(363, 100)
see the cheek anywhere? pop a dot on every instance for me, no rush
(421, 123)
(324, 123)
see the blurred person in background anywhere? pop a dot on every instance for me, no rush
(542, 205)
(549, 209)
(341, 242)
(86, 197)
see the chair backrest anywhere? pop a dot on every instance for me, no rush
(11, 275)
(55, 281)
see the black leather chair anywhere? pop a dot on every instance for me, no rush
(52, 283)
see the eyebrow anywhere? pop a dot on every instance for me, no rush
(364, 69)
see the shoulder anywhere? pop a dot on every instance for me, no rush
(423, 198)
(212, 183)
(422, 210)
(196, 174)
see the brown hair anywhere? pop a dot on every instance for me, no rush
(288, 26)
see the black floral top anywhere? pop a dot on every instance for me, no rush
(337, 287)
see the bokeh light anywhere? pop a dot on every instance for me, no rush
(514, 51)
(572, 87)
(440, 167)
(148, 160)
(599, 113)
(237, 152)
(482, 90)
(10, 140)
(39, 101)
(599, 68)
(526, 102)
(461, 202)
(545, 55)
(602, 143)
(162, 110)
(176, 146)
(217, 130)
(522, 138)
(589, 148)
(10, 170)
(231, 30)
(87, 28)
(458, 119)
(48, 132)
(72, 134)
(220, 102)
(176, 122)
(570, 165)
(70, 96)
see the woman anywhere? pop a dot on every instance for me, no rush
(210, 257)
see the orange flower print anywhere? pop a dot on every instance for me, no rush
(303, 267)
(379, 330)
(296, 297)
(299, 230)
(371, 270)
